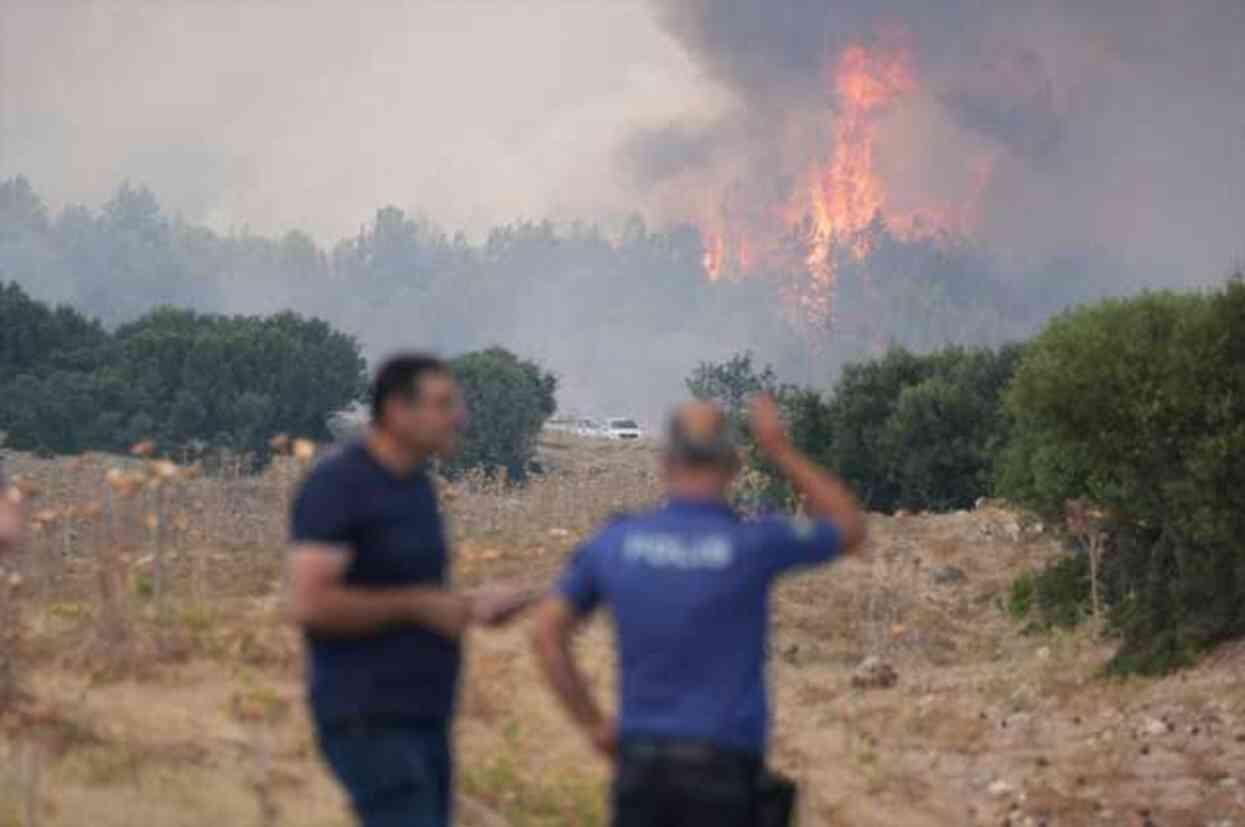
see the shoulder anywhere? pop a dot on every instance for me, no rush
(614, 527)
(772, 527)
(336, 463)
(333, 475)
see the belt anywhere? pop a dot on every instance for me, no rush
(691, 751)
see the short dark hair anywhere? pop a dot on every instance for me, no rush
(399, 376)
(712, 449)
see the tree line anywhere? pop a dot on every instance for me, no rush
(634, 299)
(200, 383)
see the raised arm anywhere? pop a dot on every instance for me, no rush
(825, 495)
(320, 600)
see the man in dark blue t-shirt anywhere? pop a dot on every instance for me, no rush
(688, 587)
(368, 583)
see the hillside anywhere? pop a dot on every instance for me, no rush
(154, 682)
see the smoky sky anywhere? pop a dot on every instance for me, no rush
(1114, 126)
(276, 115)
(1108, 132)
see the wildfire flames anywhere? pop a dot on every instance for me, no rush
(840, 192)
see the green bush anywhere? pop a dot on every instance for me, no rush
(1061, 591)
(508, 401)
(1138, 406)
(1020, 596)
(173, 376)
(906, 431)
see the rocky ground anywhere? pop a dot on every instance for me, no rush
(905, 694)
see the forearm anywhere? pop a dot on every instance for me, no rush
(346, 610)
(569, 684)
(825, 494)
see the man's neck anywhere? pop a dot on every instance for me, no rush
(395, 457)
(694, 493)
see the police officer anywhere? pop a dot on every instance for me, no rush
(687, 585)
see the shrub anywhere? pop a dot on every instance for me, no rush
(508, 400)
(1138, 406)
(1020, 596)
(1061, 591)
(906, 431)
(173, 376)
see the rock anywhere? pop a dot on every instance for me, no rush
(948, 575)
(1000, 788)
(1154, 727)
(874, 673)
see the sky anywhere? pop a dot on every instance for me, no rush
(313, 114)
(1112, 128)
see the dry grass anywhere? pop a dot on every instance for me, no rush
(146, 676)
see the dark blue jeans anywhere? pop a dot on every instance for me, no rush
(396, 774)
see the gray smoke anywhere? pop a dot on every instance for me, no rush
(1118, 126)
(1116, 129)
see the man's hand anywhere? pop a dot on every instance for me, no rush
(825, 495)
(767, 426)
(498, 605)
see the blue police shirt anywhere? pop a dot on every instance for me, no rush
(392, 527)
(688, 586)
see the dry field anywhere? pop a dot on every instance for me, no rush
(147, 677)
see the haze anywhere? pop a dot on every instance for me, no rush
(311, 115)
(1083, 149)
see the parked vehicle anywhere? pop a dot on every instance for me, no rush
(591, 428)
(623, 429)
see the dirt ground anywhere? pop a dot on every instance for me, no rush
(986, 725)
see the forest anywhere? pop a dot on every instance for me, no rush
(620, 314)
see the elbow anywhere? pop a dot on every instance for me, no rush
(543, 641)
(550, 642)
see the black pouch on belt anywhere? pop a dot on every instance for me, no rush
(776, 798)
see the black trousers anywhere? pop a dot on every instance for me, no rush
(684, 784)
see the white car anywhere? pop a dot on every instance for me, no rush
(623, 429)
(590, 428)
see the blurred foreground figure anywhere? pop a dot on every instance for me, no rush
(368, 585)
(688, 587)
(10, 516)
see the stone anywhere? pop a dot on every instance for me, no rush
(948, 575)
(1000, 788)
(874, 673)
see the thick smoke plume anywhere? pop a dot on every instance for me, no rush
(1112, 131)
(1022, 154)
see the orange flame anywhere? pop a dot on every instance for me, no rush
(845, 193)
(840, 192)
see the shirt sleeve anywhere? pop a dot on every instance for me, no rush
(784, 543)
(580, 584)
(321, 513)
